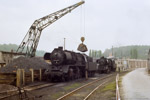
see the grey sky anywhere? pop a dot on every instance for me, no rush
(107, 23)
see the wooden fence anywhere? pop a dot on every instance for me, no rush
(21, 78)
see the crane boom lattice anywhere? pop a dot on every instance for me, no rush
(31, 40)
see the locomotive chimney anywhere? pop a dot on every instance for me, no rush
(60, 48)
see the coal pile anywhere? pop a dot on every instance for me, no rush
(25, 63)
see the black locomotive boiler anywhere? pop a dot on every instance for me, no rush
(111, 63)
(106, 65)
(68, 65)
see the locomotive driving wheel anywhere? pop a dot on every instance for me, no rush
(69, 75)
(78, 73)
(108, 70)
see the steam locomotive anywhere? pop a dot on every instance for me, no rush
(106, 65)
(68, 65)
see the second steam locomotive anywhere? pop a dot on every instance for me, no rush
(106, 65)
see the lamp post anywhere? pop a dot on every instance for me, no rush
(64, 42)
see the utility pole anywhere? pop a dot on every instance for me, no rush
(64, 42)
(112, 51)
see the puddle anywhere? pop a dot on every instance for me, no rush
(59, 85)
(94, 78)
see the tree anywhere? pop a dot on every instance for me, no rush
(95, 53)
(133, 53)
(100, 53)
(90, 53)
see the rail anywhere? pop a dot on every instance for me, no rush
(90, 83)
(87, 97)
(117, 88)
(7, 94)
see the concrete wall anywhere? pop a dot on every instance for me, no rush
(1, 59)
(7, 57)
(148, 64)
(125, 64)
(2, 63)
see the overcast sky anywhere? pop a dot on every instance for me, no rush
(103, 23)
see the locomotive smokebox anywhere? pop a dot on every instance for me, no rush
(57, 56)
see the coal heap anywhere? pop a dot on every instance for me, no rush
(25, 63)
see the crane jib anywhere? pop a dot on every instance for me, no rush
(80, 3)
(31, 39)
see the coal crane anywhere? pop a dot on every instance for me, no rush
(31, 40)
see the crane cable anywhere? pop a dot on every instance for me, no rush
(82, 21)
(82, 47)
(81, 26)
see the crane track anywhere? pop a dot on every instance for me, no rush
(7, 94)
(77, 93)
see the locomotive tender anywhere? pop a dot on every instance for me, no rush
(68, 65)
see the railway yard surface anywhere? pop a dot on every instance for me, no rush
(64, 72)
(55, 91)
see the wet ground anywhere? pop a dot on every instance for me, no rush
(136, 85)
(56, 91)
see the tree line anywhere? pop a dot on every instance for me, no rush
(13, 47)
(120, 54)
(132, 52)
(95, 53)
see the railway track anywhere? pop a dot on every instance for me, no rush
(90, 88)
(7, 94)
(85, 91)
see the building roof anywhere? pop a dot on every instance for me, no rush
(14, 53)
